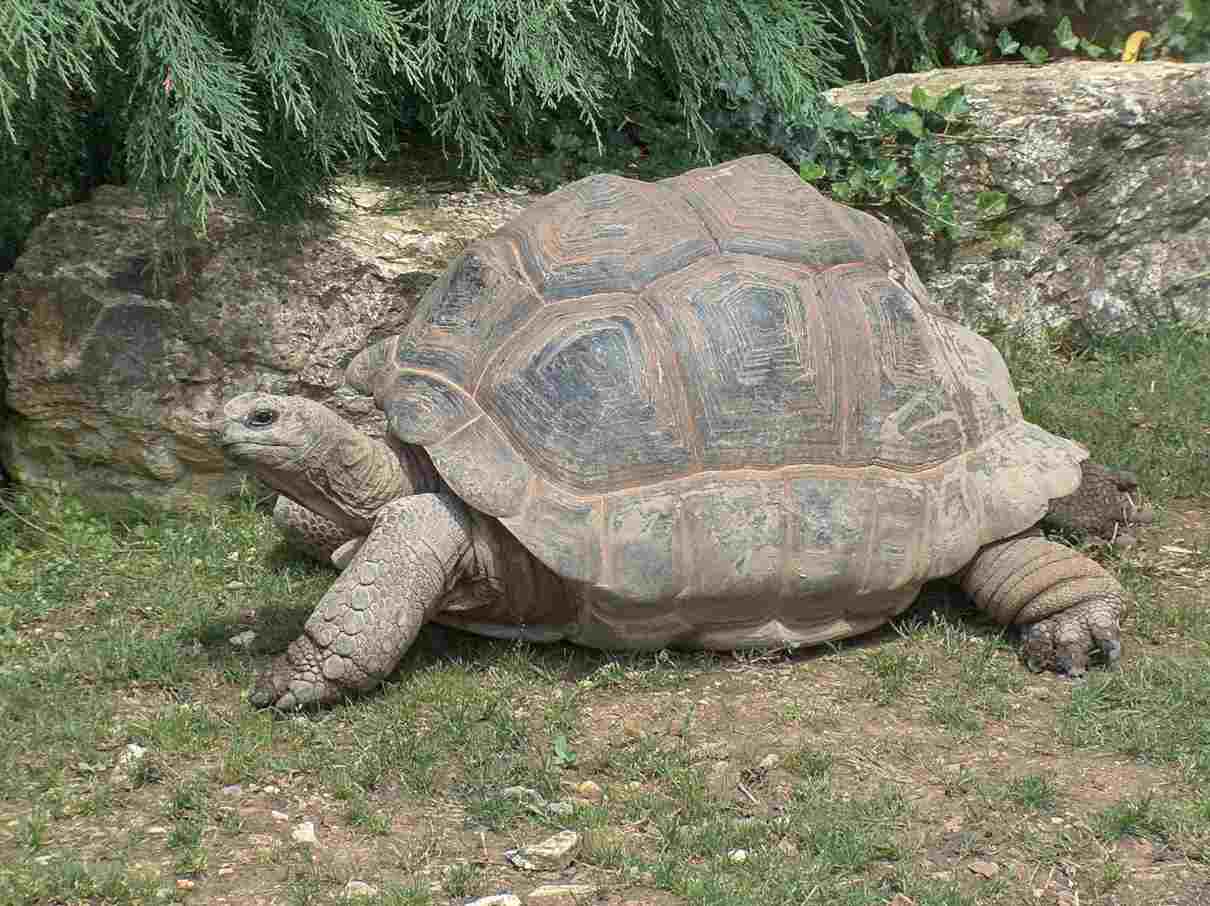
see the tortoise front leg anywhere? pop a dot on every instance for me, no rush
(316, 536)
(372, 613)
(1067, 605)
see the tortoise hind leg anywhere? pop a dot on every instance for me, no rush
(370, 616)
(1067, 605)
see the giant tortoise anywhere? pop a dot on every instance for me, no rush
(713, 411)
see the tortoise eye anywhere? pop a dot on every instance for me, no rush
(261, 418)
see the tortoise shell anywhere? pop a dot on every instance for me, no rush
(720, 387)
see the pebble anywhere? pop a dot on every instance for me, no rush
(359, 889)
(243, 639)
(575, 892)
(769, 762)
(553, 853)
(497, 899)
(185, 884)
(738, 855)
(901, 899)
(985, 869)
(279, 816)
(304, 833)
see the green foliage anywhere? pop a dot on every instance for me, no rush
(895, 156)
(267, 99)
(1187, 34)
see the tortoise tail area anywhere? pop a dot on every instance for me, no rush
(1067, 605)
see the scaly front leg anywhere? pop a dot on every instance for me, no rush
(372, 613)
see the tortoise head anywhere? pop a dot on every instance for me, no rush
(307, 452)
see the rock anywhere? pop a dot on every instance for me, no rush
(574, 893)
(1107, 173)
(278, 816)
(901, 899)
(497, 899)
(304, 833)
(185, 884)
(359, 889)
(114, 359)
(552, 854)
(738, 855)
(984, 869)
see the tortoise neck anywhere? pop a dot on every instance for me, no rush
(348, 476)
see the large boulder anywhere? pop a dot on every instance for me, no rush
(1107, 171)
(115, 356)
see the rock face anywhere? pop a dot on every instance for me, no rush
(1107, 170)
(113, 372)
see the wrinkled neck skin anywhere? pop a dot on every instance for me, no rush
(347, 476)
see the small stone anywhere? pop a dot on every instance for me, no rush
(131, 754)
(985, 869)
(521, 792)
(497, 899)
(157, 830)
(233, 789)
(552, 854)
(279, 816)
(901, 899)
(590, 791)
(243, 639)
(574, 892)
(769, 762)
(738, 855)
(185, 884)
(359, 889)
(304, 833)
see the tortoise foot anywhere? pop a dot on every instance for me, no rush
(1065, 641)
(297, 679)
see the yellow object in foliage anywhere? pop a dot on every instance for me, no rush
(1130, 53)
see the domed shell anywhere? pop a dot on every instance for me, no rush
(717, 385)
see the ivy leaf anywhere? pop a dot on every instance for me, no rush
(812, 170)
(1066, 37)
(964, 53)
(1035, 56)
(909, 122)
(954, 103)
(1093, 50)
(991, 204)
(922, 100)
(1007, 43)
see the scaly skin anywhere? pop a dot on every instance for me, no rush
(308, 532)
(1067, 605)
(416, 552)
(1107, 499)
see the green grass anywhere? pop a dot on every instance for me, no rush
(114, 629)
(1139, 403)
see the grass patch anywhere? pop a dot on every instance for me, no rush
(1141, 403)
